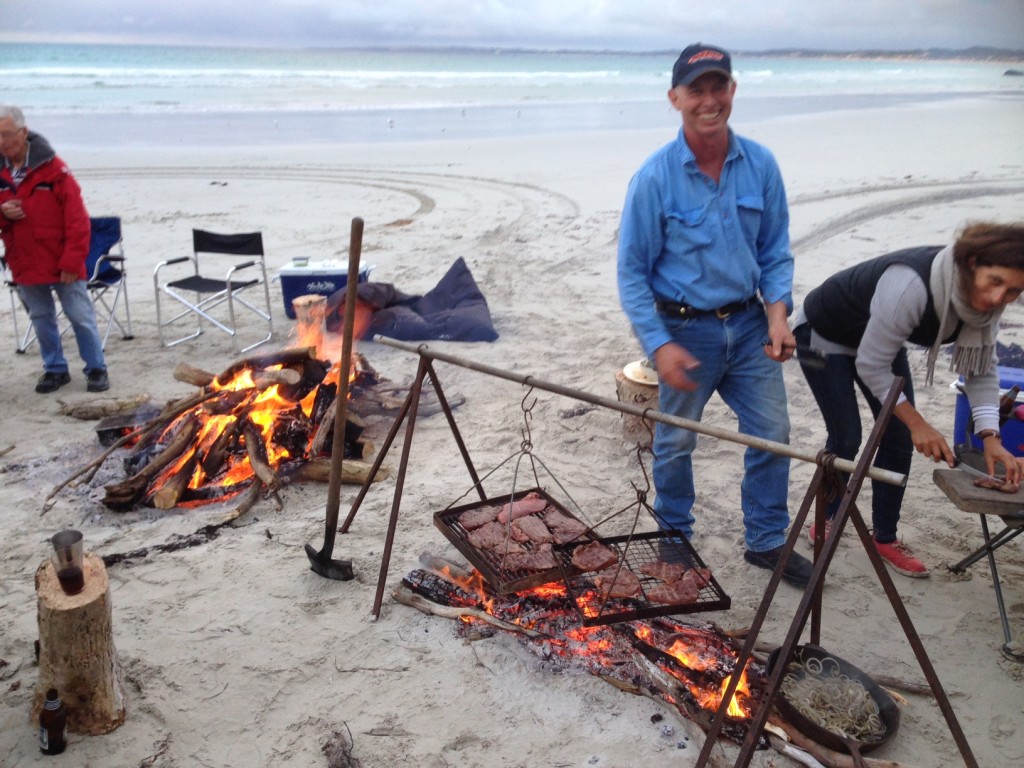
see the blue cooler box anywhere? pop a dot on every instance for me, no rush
(320, 277)
(1012, 430)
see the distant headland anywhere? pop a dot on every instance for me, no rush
(975, 53)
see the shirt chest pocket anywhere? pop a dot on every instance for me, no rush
(750, 209)
(686, 230)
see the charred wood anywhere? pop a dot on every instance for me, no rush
(353, 471)
(132, 490)
(171, 488)
(258, 460)
(285, 357)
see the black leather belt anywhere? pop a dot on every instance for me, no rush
(675, 309)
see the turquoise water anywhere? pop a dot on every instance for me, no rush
(249, 95)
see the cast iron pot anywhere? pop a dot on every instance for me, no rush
(888, 711)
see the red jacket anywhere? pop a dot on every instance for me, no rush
(54, 235)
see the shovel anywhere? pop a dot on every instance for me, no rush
(321, 562)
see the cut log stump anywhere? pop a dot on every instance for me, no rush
(76, 650)
(642, 395)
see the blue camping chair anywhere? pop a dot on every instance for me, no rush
(108, 277)
(106, 282)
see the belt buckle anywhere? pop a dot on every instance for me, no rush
(721, 313)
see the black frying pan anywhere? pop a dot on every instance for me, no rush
(888, 710)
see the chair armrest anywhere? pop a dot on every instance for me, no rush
(167, 262)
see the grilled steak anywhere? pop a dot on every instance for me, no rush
(996, 485)
(531, 528)
(617, 582)
(494, 536)
(474, 518)
(563, 527)
(530, 504)
(594, 556)
(540, 559)
(659, 569)
(682, 591)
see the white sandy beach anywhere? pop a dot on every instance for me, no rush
(235, 653)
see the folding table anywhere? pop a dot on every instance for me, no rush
(959, 487)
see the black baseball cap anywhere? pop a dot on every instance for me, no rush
(699, 59)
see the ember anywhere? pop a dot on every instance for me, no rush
(687, 667)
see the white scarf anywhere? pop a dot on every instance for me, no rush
(975, 346)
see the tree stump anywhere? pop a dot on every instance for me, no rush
(643, 395)
(76, 650)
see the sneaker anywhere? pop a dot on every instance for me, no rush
(798, 567)
(51, 382)
(898, 556)
(97, 381)
(828, 530)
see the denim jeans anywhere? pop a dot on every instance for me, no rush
(733, 363)
(833, 388)
(74, 298)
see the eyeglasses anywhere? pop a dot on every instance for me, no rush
(8, 135)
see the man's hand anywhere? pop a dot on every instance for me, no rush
(781, 342)
(11, 209)
(68, 277)
(673, 362)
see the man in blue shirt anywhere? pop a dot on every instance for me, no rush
(705, 276)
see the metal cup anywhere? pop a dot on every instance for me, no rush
(67, 560)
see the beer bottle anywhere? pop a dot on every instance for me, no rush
(1007, 403)
(53, 722)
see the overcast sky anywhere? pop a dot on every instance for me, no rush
(615, 24)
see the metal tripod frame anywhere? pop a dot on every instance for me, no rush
(811, 602)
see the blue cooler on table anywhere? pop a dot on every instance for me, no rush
(303, 277)
(1012, 430)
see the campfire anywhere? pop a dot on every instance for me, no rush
(687, 667)
(262, 422)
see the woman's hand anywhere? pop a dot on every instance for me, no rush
(996, 454)
(928, 441)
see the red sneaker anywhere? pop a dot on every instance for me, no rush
(828, 530)
(899, 557)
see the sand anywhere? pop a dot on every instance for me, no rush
(235, 653)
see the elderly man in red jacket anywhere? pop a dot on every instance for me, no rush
(45, 230)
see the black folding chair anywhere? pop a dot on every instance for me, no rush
(244, 252)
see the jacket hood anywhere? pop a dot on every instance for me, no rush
(39, 150)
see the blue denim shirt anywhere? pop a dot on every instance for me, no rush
(685, 238)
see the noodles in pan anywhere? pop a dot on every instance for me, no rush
(832, 700)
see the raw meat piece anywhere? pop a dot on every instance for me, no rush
(683, 591)
(996, 485)
(617, 582)
(540, 559)
(659, 569)
(474, 518)
(494, 536)
(701, 577)
(530, 504)
(594, 556)
(531, 528)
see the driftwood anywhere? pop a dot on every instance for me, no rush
(268, 379)
(353, 471)
(828, 757)
(94, 410)
(189, 374)
(170, 490)
(405, 596)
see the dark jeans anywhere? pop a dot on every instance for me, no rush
(833, 388)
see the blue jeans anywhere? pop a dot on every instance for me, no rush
(74, 298)
(733, 363)
(833, 388)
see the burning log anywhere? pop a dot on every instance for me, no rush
(167, 495)
(406, 596)
(284, 358)
(132, 490)
(258, 460)
(94, 410)
(282, 377)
